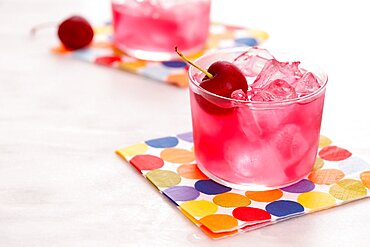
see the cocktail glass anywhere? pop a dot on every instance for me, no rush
(254, 145)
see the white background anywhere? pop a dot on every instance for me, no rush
(61, 120)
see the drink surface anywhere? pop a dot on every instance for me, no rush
(144, 26)
(268, 140)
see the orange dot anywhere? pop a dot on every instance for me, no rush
(365, 179)
(219, 222)
(230, 200)
(264, 196)
(102, 44)
(180, 80)
(131, 66)
(326, 176)
(60, 50)
(177, 155)
(217, 235)
(190, 171)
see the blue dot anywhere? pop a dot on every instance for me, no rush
(210, 187)
(156, 72)
(174, 64)
(164, 142)
(84, 54)
(246, 41)
(186, 136)
(353, 165)
(283, 208)
(300, 187)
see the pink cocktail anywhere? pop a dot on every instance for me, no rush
(270, 138)
(150, 29)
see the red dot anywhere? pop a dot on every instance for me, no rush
(251, 214)
(334, 153)
(107, 60)
(146, 162)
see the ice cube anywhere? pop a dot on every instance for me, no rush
(291, 142)
(253, 161)
(277, 90)
(306, 84)
(252, 61)
(273, 69)
(238, 95)
(295, 147)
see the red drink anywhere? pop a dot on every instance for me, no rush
(261, 142)
(150, 29)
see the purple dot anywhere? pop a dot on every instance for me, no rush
(300, 187)
(186, 136)
(181, 193)
(210, 187)
(284, 207)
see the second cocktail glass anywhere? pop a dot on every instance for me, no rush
(150, 29)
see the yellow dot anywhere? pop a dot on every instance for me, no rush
(230, 200)
(319, 163)
(200, 208)
(133, 150)
(163, 178)
(316, 200)
(365, 178)
(260, 34)
(324, 141)
(103, 30)
(348, 189)
(196, 54)
(219, 222)
(177, 155)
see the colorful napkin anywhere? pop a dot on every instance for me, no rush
(102, 52)
(168, 163)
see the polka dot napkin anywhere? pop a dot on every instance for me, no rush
(102, 52)
(338, 176)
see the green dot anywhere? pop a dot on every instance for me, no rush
(348, 189)
(163, 178)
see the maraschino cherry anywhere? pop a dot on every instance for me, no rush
(74, 32)
(221, 78)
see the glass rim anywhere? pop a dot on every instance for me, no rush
(304, 98)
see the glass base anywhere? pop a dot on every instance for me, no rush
(156, 55)
(246, 186)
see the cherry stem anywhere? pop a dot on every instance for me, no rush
(209, 75)
(42, 26)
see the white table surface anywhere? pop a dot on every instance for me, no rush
(61, 184)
